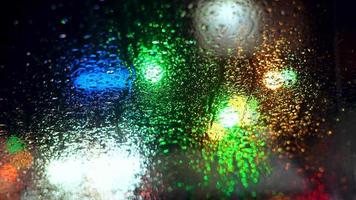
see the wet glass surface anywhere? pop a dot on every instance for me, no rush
(197, 99)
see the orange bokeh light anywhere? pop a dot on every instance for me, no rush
(8, 177)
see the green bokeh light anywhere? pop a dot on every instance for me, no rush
(289, 77)
(151, 64)
(153, 73)
(14, 145)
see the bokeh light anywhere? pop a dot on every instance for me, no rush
(100, 72)
(8, 177)
(97, 79)
(223, 26)
(276, 79)
(153, 73)
(241, 111)
(273, 80)
(229, 117)
(111, 175)
(289, 77)
(151, 64)
(104, 167)
(14, 144)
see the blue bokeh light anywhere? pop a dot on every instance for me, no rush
(98, 79)
(100, 72)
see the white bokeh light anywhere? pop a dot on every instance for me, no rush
(223, 26)
(111, 175)
(229, 117)
(97, 171)
(116, 169)
(67, 173)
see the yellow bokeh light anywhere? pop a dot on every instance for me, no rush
(247, 109)
(273, 80)
(240, 111)
(216, 131)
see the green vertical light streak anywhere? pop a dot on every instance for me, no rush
(234, 157)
